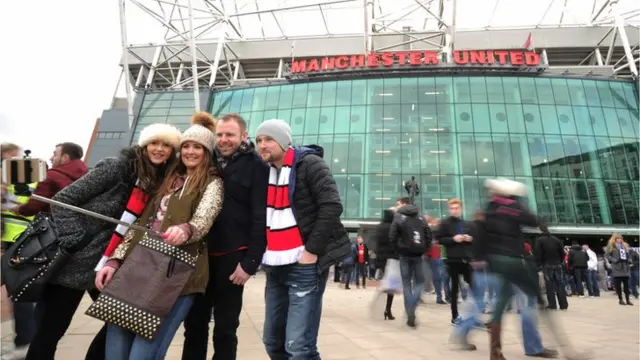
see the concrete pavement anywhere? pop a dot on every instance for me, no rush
(351, 330)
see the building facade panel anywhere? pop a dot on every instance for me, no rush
(573, 142)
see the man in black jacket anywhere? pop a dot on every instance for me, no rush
(304, 238)
(549, 253)
(236, 243)
(411, 235)
(457, 235)
(578, 263)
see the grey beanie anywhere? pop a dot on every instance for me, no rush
(276, 129)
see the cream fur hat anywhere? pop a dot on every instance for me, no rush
(202, 130)
(506, 187)
(165, 132)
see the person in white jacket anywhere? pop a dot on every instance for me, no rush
(592, 272)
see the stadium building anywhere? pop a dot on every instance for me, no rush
(553, 105)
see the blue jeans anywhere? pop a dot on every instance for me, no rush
(481, 281)
(124, 345)
(594, 285)
(293, 307)
(411, 269)
(531, 339)
(436, 276)
(633, 281)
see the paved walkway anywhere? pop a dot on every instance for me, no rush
(598, 326)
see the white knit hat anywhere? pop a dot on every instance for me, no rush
(506, 187)
(201, 131)
(165, 132)
(276, 129)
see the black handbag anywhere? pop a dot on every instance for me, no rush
(33, 260)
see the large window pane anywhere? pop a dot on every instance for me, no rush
(631, 95)
(355, 160)
(447, 154)
(515, 118)
(528, 93)
(504, 162)
(589, 157)
(273, 96)
(343, 93)
(428, 93)
(462, 92)
(359, 119)
(498, 115)
(544, 199)
(359, 92)
(327, 120)
(481, 120)
(591, 92)
(532, 119)
(485, 158)
(312, 121)
(545, 91)
(354, 197)
(606, 98)
(625, 121)
(538, 156)
(314, 95)
(612, 122)
(409, 92)
(392, 91)
(583, 120)
(561, 91)
(463, 118)
(478, 90)
(443, 90)
(429, 153)
(300, 95)
(576, 92)
(495, 93)
(329, 90)
(342, 120)
(549, 118)
(286, 97)
(565, 118)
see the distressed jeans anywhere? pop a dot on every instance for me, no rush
(412, 282)
(531, 340)
(293, 306)
(481, 281)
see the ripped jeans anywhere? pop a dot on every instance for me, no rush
(293, 306)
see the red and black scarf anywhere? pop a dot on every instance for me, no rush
(284, 241)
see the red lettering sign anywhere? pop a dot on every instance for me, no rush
(416, 59)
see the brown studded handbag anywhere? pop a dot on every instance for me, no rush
(145, 288)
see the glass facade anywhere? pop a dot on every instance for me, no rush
(573, 142)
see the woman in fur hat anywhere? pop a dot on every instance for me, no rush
(114, 186)
(183, 210)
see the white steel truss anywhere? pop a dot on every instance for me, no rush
(189, 44)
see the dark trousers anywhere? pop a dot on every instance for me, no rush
(619, 283)
(592, 284)
(555, 286)
(457, 269)
(337, 269)
(633, 280)
(361, 271)
(55, 312)
(580, 276)
(226, 300)
(97, 347)
(24, 323)
(347, 270)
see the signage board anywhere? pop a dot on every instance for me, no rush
(416, 60)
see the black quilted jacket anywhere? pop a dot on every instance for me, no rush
(317, 207)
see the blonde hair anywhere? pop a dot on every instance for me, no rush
(454, 201)
(611, 245)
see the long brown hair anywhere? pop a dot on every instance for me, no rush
(198, 181)
(149, 175)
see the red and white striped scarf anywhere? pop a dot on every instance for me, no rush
(284, 241)
(135, 206)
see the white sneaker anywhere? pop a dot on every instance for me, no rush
(19, 353)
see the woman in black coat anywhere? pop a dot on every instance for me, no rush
(385, 250)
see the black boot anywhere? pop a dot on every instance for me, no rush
(546, 354)
(388, 315)
(629, 301)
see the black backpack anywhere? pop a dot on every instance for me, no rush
(413, 234)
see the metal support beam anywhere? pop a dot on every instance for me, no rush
(194, 60)
(598, 55)
(154, 65)
(619, 23)
(452, 28)
(125, 63)
(216, 60)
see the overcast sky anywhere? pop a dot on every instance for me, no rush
(60, 59)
